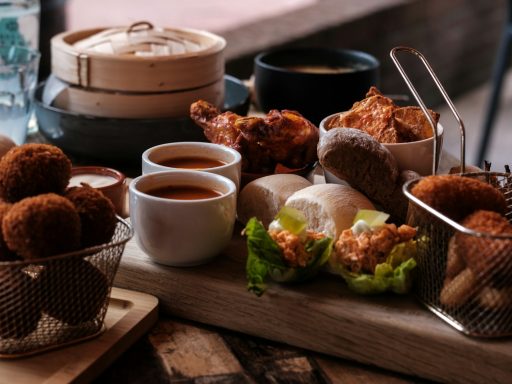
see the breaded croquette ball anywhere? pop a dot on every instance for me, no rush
(5, 253)
(74, 290)
(486, 256)
(33, 169)
(20, 307)
(42, 226)
(458, 196)
(97, 214)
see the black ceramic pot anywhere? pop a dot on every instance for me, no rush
(316, 82)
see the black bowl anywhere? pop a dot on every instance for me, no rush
(316, 82)
(92, 139)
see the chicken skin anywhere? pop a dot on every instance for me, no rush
(378, 116)
(284, 137)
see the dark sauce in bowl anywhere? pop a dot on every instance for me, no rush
(183, 192)
(191, 162)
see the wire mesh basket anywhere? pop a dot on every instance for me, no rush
(476, 299)
(60, 300)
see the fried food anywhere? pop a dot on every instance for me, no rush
(478, 265)
(42, 226)
(97, 214)
(5, 253)
(284, 137)
(74, 290)
(459, 290)
(378, 116)
(33, 169)
(486, 255)
(20, 308)
(361, 253)
(458, 196)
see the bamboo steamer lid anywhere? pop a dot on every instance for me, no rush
(130, 105)
(139, 58)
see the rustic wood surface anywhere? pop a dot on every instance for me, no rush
(130, 315)
(389, 331)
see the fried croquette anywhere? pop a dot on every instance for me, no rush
(458, 196)
(97, 214)
(5, 253)
(74, 290)
(20, 308)
(33, 169)
(486, 256)
(42, 226)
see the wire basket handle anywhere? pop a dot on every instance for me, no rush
(420, 102)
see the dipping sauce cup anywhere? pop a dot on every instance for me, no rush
(110, 182)
(182, 218)
(207, 157)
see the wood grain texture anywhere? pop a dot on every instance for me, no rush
(129, 316)
(392, 332)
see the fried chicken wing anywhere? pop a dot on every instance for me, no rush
(378, 116)
(289, 137)
(372, 115)
(280, 137)
(218, 127)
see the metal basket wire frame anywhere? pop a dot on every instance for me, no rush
(475, 303)
(51, 302)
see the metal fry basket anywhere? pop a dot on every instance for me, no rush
(60, 300)
(475, 301)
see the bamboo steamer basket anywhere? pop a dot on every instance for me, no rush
(131, 105)
(119, 59)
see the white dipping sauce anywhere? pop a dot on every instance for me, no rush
(93, 179)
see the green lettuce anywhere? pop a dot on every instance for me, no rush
(265, 259)
(395, 274)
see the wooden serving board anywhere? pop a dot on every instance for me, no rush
(390, 331)
(130, 315)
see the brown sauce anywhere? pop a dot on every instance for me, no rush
(191, 162)
(320, 69)
(183, 192)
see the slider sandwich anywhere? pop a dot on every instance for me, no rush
(286, 252)
(374, 257)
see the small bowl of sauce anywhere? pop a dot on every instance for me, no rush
(182, 218)
(316, 82)
(197, 156)
(107, 180)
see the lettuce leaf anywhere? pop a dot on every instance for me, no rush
(265, 259)
(395, 274)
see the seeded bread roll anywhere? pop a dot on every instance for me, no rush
(264, 197)
(329, 208)
(355, 156)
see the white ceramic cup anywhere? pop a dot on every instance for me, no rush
(232, 159)
(182, 232)
(415, 156)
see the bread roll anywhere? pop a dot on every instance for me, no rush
(264, 197)
(355, 156)
(329, 208)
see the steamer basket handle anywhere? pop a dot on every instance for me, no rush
(420, 102)
(140, 26)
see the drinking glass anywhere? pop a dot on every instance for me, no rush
(18, 80)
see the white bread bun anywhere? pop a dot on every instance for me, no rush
(329, 208)
(264, 197)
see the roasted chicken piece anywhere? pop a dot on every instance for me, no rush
(378, 116)
(280, 137)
